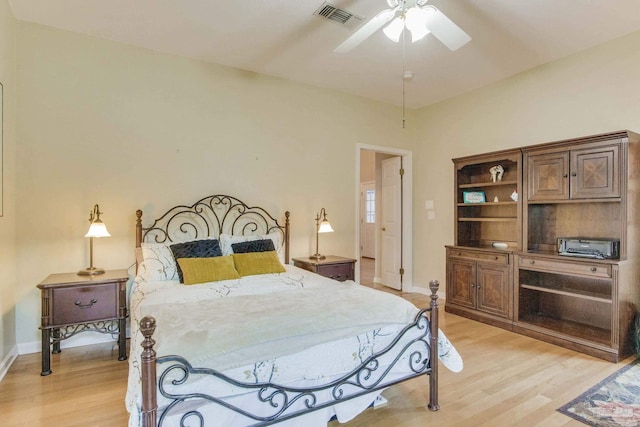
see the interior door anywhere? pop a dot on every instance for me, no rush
(391, 223)
(368, 219)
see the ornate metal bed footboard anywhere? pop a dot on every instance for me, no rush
(277, 402)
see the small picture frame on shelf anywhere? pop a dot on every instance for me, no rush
(473, 197)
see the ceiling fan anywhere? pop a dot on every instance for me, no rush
(418, 17)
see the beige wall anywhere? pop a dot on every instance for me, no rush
(7, 220)
(591, 92)
(101, 122)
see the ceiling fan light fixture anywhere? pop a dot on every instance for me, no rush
(416, 22)
(394, 29)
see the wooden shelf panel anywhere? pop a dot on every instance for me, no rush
(489, 204)
(591, 296)
(488, 219)
(570, 329)
(574, 201)
(487, 184)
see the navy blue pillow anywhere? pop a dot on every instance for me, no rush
(208, 248)
(264, 245)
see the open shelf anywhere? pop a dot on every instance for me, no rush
(568, 328)
(488, 184)
(547, 222)
(578, 307)
(492, 219)
(488, 204)
(589, 288)
(593, 296)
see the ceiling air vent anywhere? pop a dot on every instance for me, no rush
(341, 16)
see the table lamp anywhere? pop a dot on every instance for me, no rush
(322, 226)
(96, 229)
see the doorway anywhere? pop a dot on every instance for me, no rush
(384, 208)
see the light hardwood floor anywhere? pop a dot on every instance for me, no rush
(507, 380)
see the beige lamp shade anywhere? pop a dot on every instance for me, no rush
(325, 227)
(97, 229)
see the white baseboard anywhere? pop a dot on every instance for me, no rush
(8, 360)
(85, 338)
(426, 291)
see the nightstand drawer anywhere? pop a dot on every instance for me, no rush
(340, 272)
(331, 266)
(86, 303)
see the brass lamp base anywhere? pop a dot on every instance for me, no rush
(91, 271)
(317, 257)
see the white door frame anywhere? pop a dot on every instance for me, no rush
(407, 209)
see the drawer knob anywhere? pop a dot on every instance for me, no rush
(532, 262)
(594, 269)
(83, 306)
(496, 258)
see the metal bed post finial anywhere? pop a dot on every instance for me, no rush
(148, 367)
(138, 228)
(287, 237)
(433, 324)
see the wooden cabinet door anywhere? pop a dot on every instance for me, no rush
(595, 173)
(493, 289)
(461, 288)
(547, 176)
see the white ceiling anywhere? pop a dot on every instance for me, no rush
(283, 38)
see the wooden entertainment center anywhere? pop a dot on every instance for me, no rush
(504, 268)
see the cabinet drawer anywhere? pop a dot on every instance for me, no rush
(499, 258)
(592, 270)
(85, 303)
(339, 272)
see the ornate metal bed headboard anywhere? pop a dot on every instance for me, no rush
(210, 217)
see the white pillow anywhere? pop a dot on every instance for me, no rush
(159, 263)
(227, 240)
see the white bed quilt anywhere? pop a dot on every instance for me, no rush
(287, 322)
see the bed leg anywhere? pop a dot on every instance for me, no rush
(433, 324)
(148, 366)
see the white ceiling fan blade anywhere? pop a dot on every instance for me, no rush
(445, 29)
(363, 33)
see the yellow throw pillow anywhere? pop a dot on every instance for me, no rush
(253, 263)
(201, 270)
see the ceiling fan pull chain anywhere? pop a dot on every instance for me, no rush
(404, 117)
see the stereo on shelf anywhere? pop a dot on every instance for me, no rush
(589, 248)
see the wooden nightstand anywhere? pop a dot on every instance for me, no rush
(72, 304)
(333, 267)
